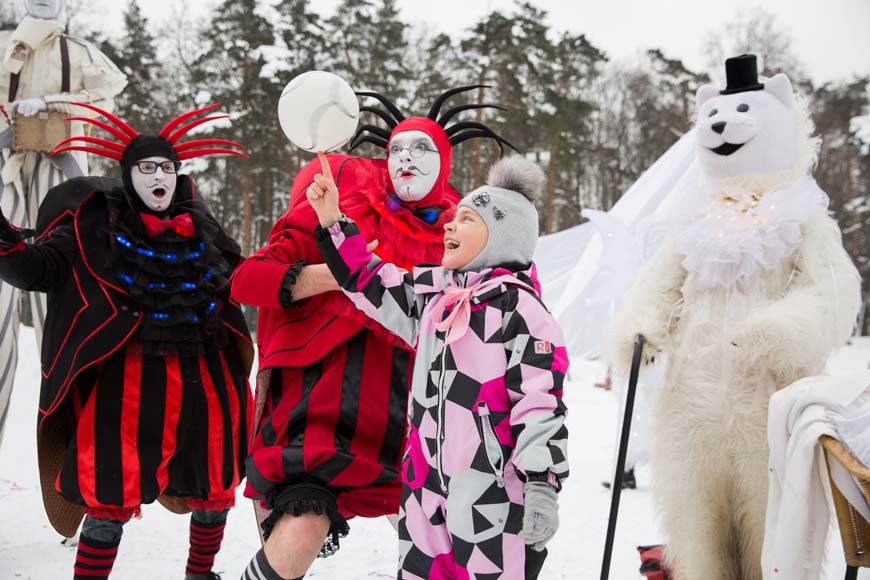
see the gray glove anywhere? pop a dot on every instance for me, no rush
(541, 515)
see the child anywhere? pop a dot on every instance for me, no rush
(487, 446)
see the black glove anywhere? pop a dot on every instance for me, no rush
(11, 235)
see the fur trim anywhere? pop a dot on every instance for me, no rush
(518, 174)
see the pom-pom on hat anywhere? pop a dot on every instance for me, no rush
(507, 205)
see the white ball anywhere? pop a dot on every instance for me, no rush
(318, 111)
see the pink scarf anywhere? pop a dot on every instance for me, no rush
(456, 323)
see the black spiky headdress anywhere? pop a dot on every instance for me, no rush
(455, 134)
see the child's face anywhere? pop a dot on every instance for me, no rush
(464, 238)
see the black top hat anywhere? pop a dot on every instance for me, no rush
(742, 74)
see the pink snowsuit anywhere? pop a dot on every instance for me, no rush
(486, 410)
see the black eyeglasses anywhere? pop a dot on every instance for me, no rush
(149, 167)
(418, 149)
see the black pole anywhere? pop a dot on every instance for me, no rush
(851, 572)
(620, 461)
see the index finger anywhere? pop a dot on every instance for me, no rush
(324, 166)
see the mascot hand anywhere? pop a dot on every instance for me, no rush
(653, 346)
(323, 195)
(11, 235)
(541, 514)
(29, 107)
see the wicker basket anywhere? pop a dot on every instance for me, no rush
(854, 529)
(41, 132)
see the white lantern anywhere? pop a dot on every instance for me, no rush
(318, 111)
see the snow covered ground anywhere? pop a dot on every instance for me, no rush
(155, 547)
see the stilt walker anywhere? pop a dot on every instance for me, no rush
(42, 70)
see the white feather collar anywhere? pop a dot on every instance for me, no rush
(735, 234)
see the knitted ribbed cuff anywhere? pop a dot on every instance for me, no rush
(285, 291)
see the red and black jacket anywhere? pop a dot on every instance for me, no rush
(90, 315)
(305, 334)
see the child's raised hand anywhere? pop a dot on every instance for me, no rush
(323, 194)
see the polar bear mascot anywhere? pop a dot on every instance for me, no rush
(750, 291)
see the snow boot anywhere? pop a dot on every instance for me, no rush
(628, 481)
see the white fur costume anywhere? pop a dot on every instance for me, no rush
(748, 293)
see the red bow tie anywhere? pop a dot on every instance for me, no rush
(181, 224)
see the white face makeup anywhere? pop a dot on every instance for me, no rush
(414, 164)
(43, 9)
(157, 189)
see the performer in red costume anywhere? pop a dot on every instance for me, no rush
(332, 387)
(145, 360)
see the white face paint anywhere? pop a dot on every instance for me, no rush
(43, 9)
(157, 189)
(413, 177)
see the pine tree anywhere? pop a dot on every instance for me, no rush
(141, 102)
(368, 46)
(843, 170)
(231, 70)
(566, 127)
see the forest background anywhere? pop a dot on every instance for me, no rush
(592, 122)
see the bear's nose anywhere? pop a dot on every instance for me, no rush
(718, 127)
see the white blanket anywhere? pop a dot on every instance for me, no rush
(798, 515)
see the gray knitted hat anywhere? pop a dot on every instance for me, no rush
(507, 205)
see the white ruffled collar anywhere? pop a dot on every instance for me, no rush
(735, 234)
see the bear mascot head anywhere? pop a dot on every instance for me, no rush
(753, 130)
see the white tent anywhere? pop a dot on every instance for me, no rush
(586, 269)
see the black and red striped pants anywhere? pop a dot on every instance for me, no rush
(340, 422)
(152, 425)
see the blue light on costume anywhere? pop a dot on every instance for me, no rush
(429, 215)
(207, 276)
(123, 241)
(193, 318)
(126, 278)
(160, 316)
(189, 286)
(144, 251)
(211, 306)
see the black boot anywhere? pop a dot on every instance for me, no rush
(208, 576)
(628, 481)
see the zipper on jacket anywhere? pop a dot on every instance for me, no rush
(439, 439)
(491, 446)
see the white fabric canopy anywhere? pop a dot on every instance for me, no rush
(586, 269)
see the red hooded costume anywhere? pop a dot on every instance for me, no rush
(332, 385)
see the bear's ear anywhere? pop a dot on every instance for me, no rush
(705, 93)
(780, 87)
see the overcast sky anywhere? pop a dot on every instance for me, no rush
(831, 37)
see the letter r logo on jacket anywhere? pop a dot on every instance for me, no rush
(543, 347)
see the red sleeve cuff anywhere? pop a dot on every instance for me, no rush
(16, 248)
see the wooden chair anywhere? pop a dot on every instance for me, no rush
(854, 529)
